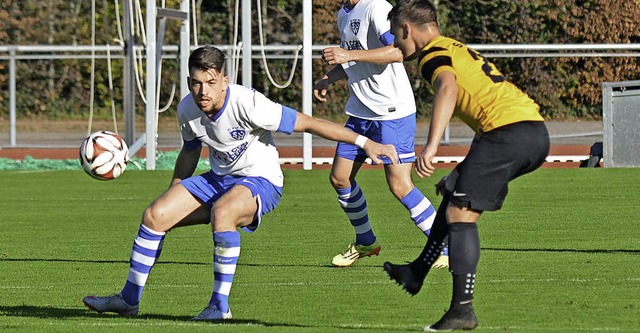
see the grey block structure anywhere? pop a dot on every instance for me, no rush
(621, 124)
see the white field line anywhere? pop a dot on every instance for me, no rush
(555, 329)
(380, 282)
(146, 323)
(169, 324)
(341, 283)
(437, 159)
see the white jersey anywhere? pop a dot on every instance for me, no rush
(239, 136)
(377, 91)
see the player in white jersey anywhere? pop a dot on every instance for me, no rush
(244, 183)
(381, 105)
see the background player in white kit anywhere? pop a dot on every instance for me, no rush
(381, 106)
(244, 183)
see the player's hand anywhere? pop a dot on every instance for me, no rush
(424, 166)
(335, 55)
(374, 150)
(320, 90)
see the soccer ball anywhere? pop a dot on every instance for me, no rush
(104, 155)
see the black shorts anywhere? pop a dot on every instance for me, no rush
(480, 181)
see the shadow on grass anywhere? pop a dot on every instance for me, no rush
(31, 311)
(41, 311)
(613, 251)
(48, 312)
(160, 263)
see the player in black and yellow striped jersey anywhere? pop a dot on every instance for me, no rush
(485, 100)
(511, 140)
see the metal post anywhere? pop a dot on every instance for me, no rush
(160, 29)
(150, 110)
(307, 80)
(184, 50)
(12, 97)
(447, 134)
(246, 43)
(128, 77)
(183, 57)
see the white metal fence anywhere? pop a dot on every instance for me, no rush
(15, 53)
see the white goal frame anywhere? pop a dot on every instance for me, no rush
(151, 61)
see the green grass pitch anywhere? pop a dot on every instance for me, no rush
(563, 255)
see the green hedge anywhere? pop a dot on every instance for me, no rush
(566, 87)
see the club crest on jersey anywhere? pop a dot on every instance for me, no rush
(237, 133)
(355, 26)
(353, 45)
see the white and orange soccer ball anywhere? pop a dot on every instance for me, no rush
(104, 155)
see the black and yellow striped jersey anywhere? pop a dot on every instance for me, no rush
(485, 99)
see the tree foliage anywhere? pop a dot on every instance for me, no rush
(566, 87)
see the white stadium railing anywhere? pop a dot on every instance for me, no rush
(15, 53)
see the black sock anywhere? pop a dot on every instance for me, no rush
(435, 242)
(464, 254)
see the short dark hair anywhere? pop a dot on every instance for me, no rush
(414, 11)
(207, 57)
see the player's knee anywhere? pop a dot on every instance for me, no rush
(223, 218)
(150, 219)
(339, 181)
(457, 213)
(397, 191)
(400, 189)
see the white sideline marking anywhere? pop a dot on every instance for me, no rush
(148, 323)
(554, 329)
(437, 159)
(379, 282)
(385, 281)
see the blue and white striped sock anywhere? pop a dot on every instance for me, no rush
(422, 212)
(226, 250)
(354, 204)
(147, 247)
